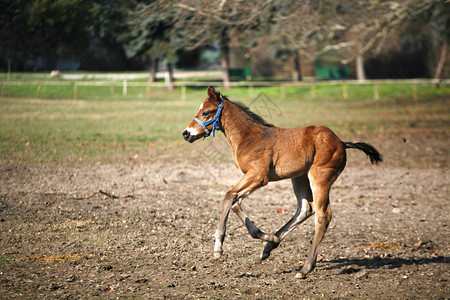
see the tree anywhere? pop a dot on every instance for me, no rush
(207, 22)
(295, 26)
(60, 28)
(15, 42)
(46, 28)
(150, 36)
(439, 27)
(424, 35)
(105, 51)
(363, 25)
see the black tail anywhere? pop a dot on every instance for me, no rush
(369, 150)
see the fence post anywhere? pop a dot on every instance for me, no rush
(9, 70)
(313, 91)
(38, 90)
(376, 92)
(3, 89)
(183, 92)
(414, 90)
(75, 90)
(282, 92)
(345, 91)
(148, 91)
(250, 91)
(112, 92)
(125, 88)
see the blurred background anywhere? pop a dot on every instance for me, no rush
(243, 40)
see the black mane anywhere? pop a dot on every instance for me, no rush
(247, 110)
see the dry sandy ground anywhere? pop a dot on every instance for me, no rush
(149, 234)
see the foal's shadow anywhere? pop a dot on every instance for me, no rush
(350, 266)
(379, 262)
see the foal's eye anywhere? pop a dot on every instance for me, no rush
(205, 114)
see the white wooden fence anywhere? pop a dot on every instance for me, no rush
(180, 86)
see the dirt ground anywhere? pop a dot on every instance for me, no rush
(146, 230)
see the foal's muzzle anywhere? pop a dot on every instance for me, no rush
(188, 137)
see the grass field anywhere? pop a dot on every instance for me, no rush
(59, 130)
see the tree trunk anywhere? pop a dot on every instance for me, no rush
(360, 73)
(297, 73)
(225, 49)
(51, 61)
(169, 77)
(153, 70)
(441, 63)
(226, 66)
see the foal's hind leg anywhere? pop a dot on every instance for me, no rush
(303, 194)
(321, 181)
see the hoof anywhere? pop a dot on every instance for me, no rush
(307, 268)
(264, 255)
(217, 255)
(300, 275)
(267, 249)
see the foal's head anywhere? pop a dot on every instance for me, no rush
(207, 118)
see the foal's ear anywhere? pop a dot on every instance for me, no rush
(212, 94)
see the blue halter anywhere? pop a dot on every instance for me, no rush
(215, 121)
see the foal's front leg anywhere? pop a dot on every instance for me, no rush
(254, 231)
(227, 202)
(246, 185)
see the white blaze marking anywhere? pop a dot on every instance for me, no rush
(201, 107)
(192, 131)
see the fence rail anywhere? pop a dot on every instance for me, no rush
(182, 85)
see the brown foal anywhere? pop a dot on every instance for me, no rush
(312, 157)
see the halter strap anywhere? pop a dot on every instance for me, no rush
(215, 120)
